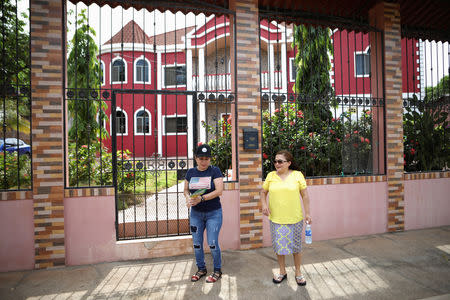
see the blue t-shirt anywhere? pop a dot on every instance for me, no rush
(204, 180)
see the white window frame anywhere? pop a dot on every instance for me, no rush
(366, 52)
(104, 72)
(149, 121)
(126, 122)
(291, 63)
(164, 76)
(111, 74)
(172, 117)
(142, 57)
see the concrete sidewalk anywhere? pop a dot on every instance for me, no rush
(405, 265)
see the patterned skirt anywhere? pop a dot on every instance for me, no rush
(286, 238)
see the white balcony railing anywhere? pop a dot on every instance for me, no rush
(222, 82)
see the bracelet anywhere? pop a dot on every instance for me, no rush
(202, 199)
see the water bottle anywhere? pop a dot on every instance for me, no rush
(308, 237)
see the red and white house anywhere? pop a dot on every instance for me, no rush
(197, 58)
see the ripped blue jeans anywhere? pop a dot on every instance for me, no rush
(212, 222)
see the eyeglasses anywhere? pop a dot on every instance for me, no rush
(279, 161)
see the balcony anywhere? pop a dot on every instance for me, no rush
(222, 82)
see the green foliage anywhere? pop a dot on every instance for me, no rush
(442, 88)
(84, 74)
(15, 171)
(312, 60)
(426, 136)
(220, 144)
(15, 71)
(338, 147)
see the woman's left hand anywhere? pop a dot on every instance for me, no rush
(308, 219)
(194, 201)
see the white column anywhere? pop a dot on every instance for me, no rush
(283, 68)
(201, 82)
(159, 104)
(271, 67)
(189, 109)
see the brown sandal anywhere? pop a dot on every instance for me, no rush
(214, 277)
(199, 274)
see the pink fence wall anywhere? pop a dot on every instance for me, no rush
(344, 210)
(16, 235)
(90, 232)
(339, 210)
(427, 203)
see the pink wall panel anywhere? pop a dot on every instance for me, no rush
(427, 203)
(344, 210)
(91, 237)
(16, 235)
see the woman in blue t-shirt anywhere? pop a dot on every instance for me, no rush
(206, 211)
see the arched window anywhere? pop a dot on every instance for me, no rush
(102, 72)
(142, 122)
(142, 71)
(121, 122)
(118, 71)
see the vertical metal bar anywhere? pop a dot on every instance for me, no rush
(114, 163)
(100, 104)
(134, 124)
(149, 120)
(88, 88)
(76, 92)
(5, 183)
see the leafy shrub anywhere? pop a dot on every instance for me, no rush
(426, 136)
(15, 171)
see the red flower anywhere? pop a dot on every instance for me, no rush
(312, 155)
(199, 144)
(338, 139)
(292, 123)
(355, 132)
(362, 140)
(413, 151)
(367, 141)
(277, 110)
(311, 134)
(302, 148)
(347, 135)
(84, 146)
(332, 131)
(368, 112)
(333, 119)
(300, 114)
(265, 156)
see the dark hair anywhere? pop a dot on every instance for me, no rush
(289, 157)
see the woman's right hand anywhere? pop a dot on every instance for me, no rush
(265, 210)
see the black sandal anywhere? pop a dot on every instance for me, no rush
(300, 280)
(279, 278)
(199, 274)
(214, 277)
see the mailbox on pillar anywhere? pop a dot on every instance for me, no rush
(250, 138)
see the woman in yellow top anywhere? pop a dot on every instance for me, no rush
(280, 199)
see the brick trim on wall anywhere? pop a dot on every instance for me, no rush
(386, 16)
(47, 131)
(248, 107)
